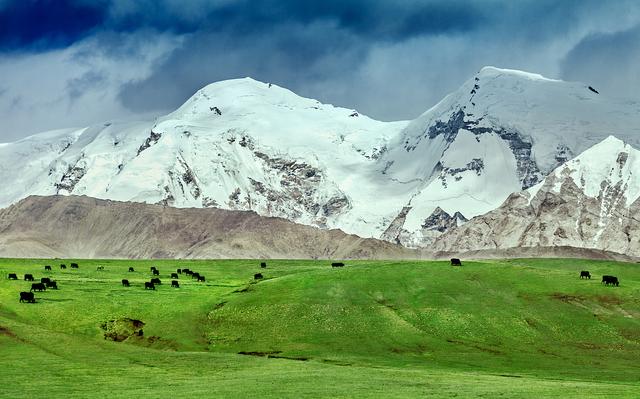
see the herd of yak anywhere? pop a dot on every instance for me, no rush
(46, 282)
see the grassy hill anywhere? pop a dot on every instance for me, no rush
(511, 328)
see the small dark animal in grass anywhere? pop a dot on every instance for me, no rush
(52, 284)
(174, 275)
(156, 272)
(149, 285)
(152, 268)
(125, 282)
(131, 269)
(337, 264)
(156, 281)
(263, 265)
(12, 276)
(258, 276)
(63, 267)
(195, 275)
(200, 278)
(99, 268)
(187, 272)
(75, 266)
(174, 283)
(610, 280)
(28, 277)
(45, 280)
(47, 267)
(179, 271)
(27, 297)
(38, 287)
(585, 274)
(455, 262)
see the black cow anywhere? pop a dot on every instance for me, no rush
(156, 281)
(179, 271)
(45, 280)
(174, 284)
(47, 267)
(12, 276)
(38, 287)
(63, 266)
(337, 264)
(99, 268)
(51, 284)
(174, 275)
(187, 272)
(610, 280)
(455, 262)
(585, 274)
(149, 285)
(258, 276)
(28, 277)
(156, 272)
(263, 265)
(200, 278)
(75, 266)
(195, 275)
(27, 297)
(131, 269)
(125, 282)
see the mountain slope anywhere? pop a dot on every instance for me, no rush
(591, 201)
(503, 131)
(71, 226)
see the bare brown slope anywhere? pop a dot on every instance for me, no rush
(72, 226)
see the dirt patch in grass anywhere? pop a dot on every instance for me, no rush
(566, 297)
(7, 332)
(608, 300)
(261, 354)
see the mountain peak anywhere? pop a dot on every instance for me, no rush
(493, 72)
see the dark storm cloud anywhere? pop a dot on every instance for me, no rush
(609, 62)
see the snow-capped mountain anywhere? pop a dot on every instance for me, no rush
(238, 144)
(590, 201)
(501, 132)
(247, 145)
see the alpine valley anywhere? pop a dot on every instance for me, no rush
(247, 145)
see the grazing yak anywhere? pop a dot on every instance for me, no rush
(27, 297)
(75, 266)
(28, 277)
(155, 272)
(47, 267)
(148, 285)
(610, 280)
(585, 274)
(51, 284)
(131, 269)
(174, 275)
(63, 267)
(125, 282)
(200, 278)
(38, 287)
(152, 268)
(187, 272)
(258, 276)
(99, 268)
(263, 265)
(337, 264)
(455, 262)
(179, 271)
(156, 281)
(195, 275)
(12, 276)
(174, 284)
(45, 280)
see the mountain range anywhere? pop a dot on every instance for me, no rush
(486, 167)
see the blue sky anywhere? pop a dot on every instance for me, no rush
(76, 62)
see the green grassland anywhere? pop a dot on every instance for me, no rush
(525, 328)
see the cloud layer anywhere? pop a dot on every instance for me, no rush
(71, 63)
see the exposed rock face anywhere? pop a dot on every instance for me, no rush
(70, 226)
(590, 202)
